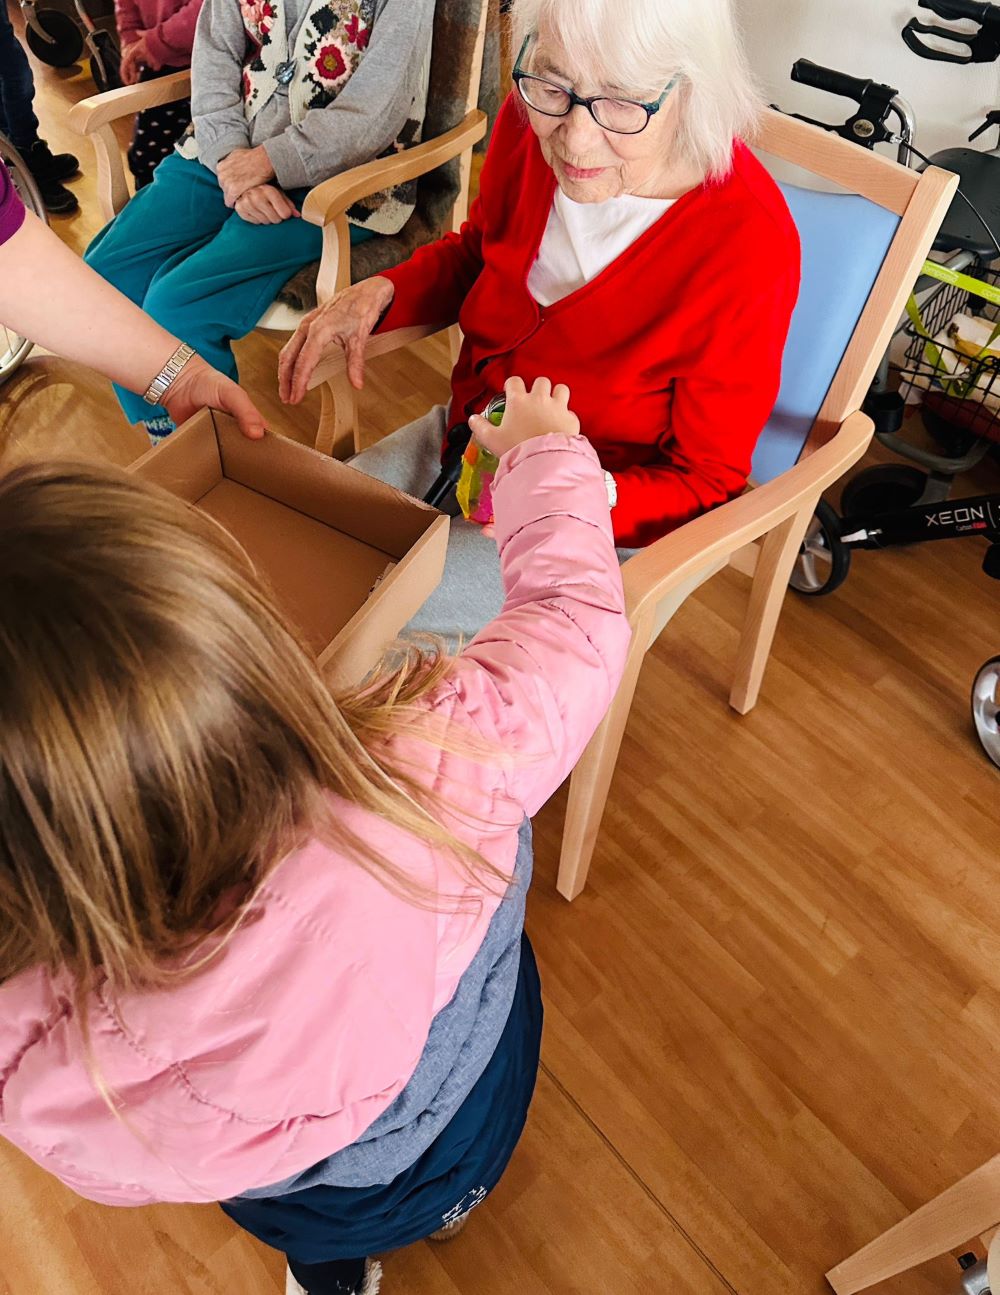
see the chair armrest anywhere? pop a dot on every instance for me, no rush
(334, 362)
(89, 115)
(658, 569)
(334, 196)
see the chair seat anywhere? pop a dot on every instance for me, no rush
(281, 317)
(979, 179)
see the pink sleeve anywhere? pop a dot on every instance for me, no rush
(170, 42)
(127, 18)
(538, 680)
(11, 207)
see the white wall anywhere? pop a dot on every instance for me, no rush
(862, 37)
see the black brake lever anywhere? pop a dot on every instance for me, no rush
(862, 128)
(982, 46)
(992, 119)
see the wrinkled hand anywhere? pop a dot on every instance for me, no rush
(265, 204)
(135, 56)
(346, 319)
(243, 169)
(539, 412)
(199, 386)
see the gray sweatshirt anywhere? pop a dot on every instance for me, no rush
(359, 125)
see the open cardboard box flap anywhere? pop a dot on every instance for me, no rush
(349, 558)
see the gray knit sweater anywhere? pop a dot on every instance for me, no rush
(360, 124)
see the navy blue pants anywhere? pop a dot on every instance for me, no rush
(324, 1230)
(17, 88)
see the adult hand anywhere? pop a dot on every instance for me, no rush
(135, 56)
(243, 169)
(539, 412)
(346, 319)
(199, 386)
(265, 204)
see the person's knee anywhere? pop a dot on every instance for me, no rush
(173, 298)
(109, 255)
(100, 256)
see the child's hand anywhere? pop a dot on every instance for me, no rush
(135, 56)
(539, 412)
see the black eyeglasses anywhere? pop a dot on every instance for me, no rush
(621, 116)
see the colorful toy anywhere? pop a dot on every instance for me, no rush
(475, 485)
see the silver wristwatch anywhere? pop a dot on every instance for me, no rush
(158, 388)
(612, 488)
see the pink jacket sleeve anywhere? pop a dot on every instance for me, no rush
(537, 681)
(171, 41)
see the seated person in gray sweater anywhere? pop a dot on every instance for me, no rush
(285, 94)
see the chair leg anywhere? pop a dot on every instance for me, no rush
(591, 779)
(337, 434)
(778, 552)
(966, 1209)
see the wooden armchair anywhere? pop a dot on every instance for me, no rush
(969, 1208)
(442, 163)
(862, 250)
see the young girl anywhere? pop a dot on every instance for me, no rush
(258, 944)
(157, 37)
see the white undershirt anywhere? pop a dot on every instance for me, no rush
(582, 238)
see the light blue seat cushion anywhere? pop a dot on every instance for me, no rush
(844, 241)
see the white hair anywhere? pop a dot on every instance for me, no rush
(643, 43)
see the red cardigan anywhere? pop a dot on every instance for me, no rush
(672, 353)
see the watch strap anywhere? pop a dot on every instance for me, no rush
(161, 384)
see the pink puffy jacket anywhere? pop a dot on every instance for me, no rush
(302, 1032)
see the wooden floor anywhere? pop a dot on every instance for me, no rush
(772, 1019)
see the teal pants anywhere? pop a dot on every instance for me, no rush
(197, 267)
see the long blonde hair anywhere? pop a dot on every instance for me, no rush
(165, 738)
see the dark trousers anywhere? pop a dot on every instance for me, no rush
(156, 132)
(456, 1172)
(17, 88)
(339, 1277)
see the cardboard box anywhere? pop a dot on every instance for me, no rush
(349, 558)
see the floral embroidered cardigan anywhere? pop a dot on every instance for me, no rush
(323, 85)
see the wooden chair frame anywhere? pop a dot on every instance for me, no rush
(760, 532)
(326, 205)
(967, 1209)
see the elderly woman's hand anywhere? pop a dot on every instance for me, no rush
(265, 204)
(243, 169)
(347, 319)
(542, 411)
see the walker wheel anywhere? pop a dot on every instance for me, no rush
(986, 708)
(882, 489)
(823, 561)
(66, 44)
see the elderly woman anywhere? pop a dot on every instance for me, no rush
(285, 94)
(625, 241)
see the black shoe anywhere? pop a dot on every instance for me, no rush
(47, 166)
(57, 198)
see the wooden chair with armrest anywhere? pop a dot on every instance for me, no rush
(968, 1209)
(442, 164)
(862, 250)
